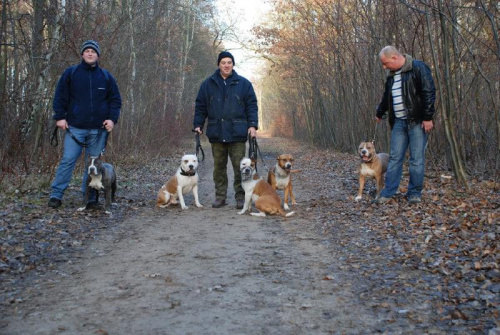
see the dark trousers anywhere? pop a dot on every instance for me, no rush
(235, 151)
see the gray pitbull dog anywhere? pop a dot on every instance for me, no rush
(102, 176)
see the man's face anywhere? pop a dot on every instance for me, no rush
(390, 62)
(90, 56)
(226, 67)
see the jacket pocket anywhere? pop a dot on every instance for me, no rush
(213, 129)
(240, 129)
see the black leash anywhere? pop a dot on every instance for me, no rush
(198, 146)
(54, 140)
(254, 151)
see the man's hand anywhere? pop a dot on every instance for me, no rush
(62, 124)
(252, 132)
(198, 130)
(108, 124)
(378, 119)
(427, 126)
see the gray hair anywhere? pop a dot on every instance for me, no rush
(389, 51)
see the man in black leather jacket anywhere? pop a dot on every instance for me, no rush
(409, 100)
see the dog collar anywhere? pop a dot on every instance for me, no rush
(189, 174)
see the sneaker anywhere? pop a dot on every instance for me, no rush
(218, 203)
(239, 204)
(54, 203)
(92, 205)
(381, 200)
(414, 200)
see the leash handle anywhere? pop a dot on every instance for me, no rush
(252, 145)
(254, 151)
(375, 132)
(198, 147)
(54, 140)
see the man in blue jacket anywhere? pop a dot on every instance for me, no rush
(409, 100)
(87, 105)
(229, 103)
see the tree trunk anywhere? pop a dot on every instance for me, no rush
(447, 101)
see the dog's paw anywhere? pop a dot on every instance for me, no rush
(108, 212)
(81, 209)
(184, 207)
(114, 204)
(199, 205)
(241, 212)
(358, 198)
(285, 206)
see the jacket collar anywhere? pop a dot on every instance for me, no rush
(86, 66)
(233, 77)
(407, 66)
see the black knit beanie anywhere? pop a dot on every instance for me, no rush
(225, 54)
(91, 44)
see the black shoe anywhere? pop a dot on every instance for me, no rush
(414, 199)
(239, 204)
(54, 203)
(92, 205)
(218, 203)
(381, 200)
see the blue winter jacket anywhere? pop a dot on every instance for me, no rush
(230, 115)
(85, 97)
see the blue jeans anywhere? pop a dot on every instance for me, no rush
(402, 138)
(71, 152)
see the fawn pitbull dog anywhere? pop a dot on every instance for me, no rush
(280, 177)
(102, 176)
(184, 180)
(257, 189)
(373, 165)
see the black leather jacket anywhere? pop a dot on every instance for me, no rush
(419, 93)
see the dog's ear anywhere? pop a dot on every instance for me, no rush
(277, 158)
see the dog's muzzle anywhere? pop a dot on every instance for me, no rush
(246, 173)
(365, 155)
(288, 166)
(92, 170)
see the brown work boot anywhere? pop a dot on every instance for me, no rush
(218, 203)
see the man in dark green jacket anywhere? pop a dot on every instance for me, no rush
(229, 103)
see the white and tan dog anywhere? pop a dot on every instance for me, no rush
(257, 189)
(280, 178)
(185, 180)
(373, 165)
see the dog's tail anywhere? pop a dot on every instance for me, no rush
(295, 171)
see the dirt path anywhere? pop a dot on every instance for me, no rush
(198, 271)
(337, 267)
